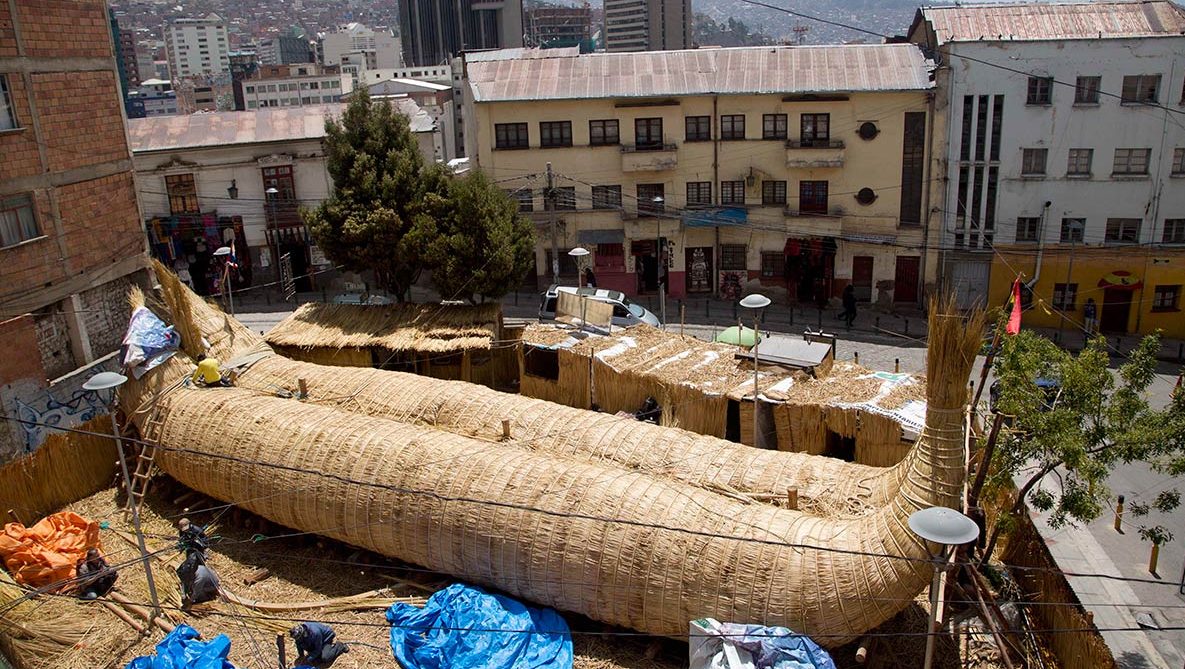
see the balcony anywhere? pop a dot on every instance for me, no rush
(814, 153)
(648, 157)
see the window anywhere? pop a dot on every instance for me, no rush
(610, 256)
(1140, 89)
(182, 194)
(1065, 296)
(1178, 162)
(773, 192)
(18, 223)
(250, 89)
(1040, 91)
(565, 199)
(1028, 228)
(913, 164)
(606, 197)
(732, 192)
(773, 126)
(1131, 161)
(1086, 90)
(732, 126)
(1166, 298)
(699, 193)
(773, 264)
(555, 133)
(1122, 231)
(699, 128)
(648, 134)
(650, 199)
(1174, 231)
(732, 257)
(815, 129)
(7, 112)
(511, 136)
(1033, 161)
(1072, 230)
(524, 198)
(1079, 162)
(812, 197)
(604, 133)
(251, 104)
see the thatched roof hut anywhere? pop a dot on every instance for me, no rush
(448, 341)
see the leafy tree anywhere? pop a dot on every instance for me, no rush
(1079, 431)
(383, 189)
(479, 246)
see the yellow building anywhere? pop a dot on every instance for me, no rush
(803, 168)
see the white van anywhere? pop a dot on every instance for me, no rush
(625, 311)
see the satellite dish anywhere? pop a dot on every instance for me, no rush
(105, 381)
(755, 301)
(941, 525)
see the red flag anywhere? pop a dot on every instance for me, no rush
(1014, 319)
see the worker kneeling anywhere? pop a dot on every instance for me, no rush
(316, 644)
(95, 576)
(208, 373)
(199, 583)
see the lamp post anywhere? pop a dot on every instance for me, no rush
(1075, 229)
(579, 254)
(98, 384)
(660, 266)
(275, 237)
(224, 252)
(947, 528)
(756, 302)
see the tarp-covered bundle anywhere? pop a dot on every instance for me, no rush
(46, 553)
(717, 645)
(184, 649)
(464, 627)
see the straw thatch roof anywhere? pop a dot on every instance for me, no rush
(420, 328)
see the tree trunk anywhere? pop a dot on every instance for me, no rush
(1016, 508)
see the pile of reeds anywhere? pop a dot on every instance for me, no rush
(348, 356)
(419, 328)
(66, 467)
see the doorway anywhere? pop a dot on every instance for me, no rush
(298, 252)
(1117, 304)
(905, 283)
(862, 277)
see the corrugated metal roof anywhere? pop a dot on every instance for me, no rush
(162, 133)
(801, 69)
(1045, 21)
(521, 53)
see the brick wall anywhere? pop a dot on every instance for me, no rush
(100, 221)
(105, 314)
(53, 342)
(21, 157)
(80, 119)
(18, 336)
(7, 36)
(64, 28)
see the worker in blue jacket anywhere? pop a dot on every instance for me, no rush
(316, 644)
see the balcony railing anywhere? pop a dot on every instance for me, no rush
(648, 146)
(814, 144)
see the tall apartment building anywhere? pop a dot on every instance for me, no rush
(285, 50)
(379, 48)
(550, 25)
(433, 32)
(71, 244)
(1066, 160)
(298, 85)
(197, 46)
(125, 56)
(648, 25)
(722, 167)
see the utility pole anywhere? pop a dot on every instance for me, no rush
(549, 202)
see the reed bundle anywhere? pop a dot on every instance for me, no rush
(399, 328)
(55, 632)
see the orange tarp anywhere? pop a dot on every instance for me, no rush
(47, 552)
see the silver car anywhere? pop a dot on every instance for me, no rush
(625, 311)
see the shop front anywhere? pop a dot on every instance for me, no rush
(186, 244)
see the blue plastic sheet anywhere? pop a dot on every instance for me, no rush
(182, 649)
(716, 645)
(148, 342)
(463, 627)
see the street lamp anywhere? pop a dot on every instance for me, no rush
(948, 528)
(271, 203)
(224, 252)
(104, 385)
(579, 253)
(755, 302)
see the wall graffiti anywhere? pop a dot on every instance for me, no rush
(48, 411)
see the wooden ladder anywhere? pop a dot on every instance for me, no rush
(141, 478)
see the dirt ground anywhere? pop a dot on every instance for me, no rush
(308, 568)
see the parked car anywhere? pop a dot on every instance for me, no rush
(625, 311)
(360, 298)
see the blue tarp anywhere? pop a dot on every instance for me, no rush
(182, 649)
(716, 645)
(148, 342)
(463, 627)
(715, 217)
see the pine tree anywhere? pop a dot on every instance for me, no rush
(383, 190)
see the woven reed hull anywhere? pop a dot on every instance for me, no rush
(618, 546)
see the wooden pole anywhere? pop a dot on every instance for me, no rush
(505, 429)
(303, 386)
(987, 365)
(1153, 559)
(985, 462)
(792, 498)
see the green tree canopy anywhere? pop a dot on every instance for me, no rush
(479, 247)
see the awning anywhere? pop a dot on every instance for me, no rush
(715, 217)
(1121, 280)
(600, 236)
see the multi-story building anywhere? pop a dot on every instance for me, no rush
(203, 180)
(434, 32)
(125, 55)
(356, 47)
(648, 25)
(551, 25)
(718, 168)
(71, 242)
(435, 99)
(197, 46)
(296, 85)
(154, 97)
(285, 50)
(1066, 163)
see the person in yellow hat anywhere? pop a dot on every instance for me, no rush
(208, 372)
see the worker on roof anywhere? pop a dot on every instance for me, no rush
(316, 644)
(95, 576)
(192, 538)
(208, 372)
(199, 583)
